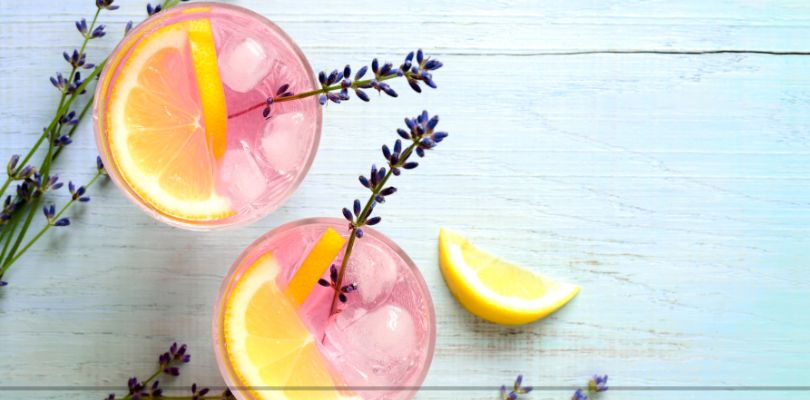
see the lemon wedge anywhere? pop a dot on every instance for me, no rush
(317, 261)
(496, 290)
(212, 93)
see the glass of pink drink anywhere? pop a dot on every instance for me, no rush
(176, 120)
(378, 346)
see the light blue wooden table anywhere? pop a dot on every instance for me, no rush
(602, 142)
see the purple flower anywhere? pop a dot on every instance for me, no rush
(77, 193)
(517, 389)
(98, 32)
(332, 283)
(81, 26)
(507, 395)
(196, 395)
(49, 211)
(579, 395)
(598, 383)
(152, 10)
(106, 4)
(62, 140)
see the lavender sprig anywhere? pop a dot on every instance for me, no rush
(337, 86)
(597, 384)
(422, 137)
(20, 207)
(169, 364)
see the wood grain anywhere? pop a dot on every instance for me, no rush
(675, 188)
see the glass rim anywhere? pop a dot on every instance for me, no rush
(224, 364)
(100, 131)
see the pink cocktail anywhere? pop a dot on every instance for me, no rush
(378, 346)
(175, 117)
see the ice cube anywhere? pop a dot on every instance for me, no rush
(383, 344)
(243, 63)
(240, 176)
(374, 270)
(284, 142)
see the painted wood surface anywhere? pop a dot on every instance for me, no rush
(675, 188)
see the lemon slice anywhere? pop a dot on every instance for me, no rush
(269, 347)
(495, 290)
(166, 121)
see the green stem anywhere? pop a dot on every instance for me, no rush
(169, 3)
(84, 111)
(62, 108)
(5, 185)
(315, 92)
(50, 225)
(361, 221)
(44, 171)
(11, 227)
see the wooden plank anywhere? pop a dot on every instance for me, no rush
(673, 188)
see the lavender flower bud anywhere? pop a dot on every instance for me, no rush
(360, 73)
(62, 222)
(12, 164)
(106, 4)
(333, 273)
(386, 69)
(81, 26)
(333, 77)
(357, 207)
(598, 383)
(579, 395)
(387, 89)
(414, 85)
(361, 94)
(150, 10)
(98, 32)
